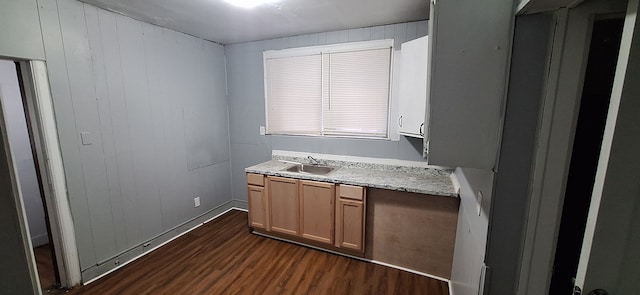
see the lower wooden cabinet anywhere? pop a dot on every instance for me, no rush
(257, 200)
(317, 211)
(350, 217)
(284, 215)
(257, 207)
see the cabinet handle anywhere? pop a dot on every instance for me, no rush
(422, 129)
(400, 121)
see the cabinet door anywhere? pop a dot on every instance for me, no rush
(412, 100)
(283, 205)
(468, 74)
(257, 207)
(350, 224)
(316, 211)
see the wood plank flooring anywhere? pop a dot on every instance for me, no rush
(44, 263)
(222, 257)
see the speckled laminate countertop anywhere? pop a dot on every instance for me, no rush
(432, 181)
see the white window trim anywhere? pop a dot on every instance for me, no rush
(331, 48)
(335, 48)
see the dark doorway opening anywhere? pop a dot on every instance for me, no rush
(594, 105)
(25, 159)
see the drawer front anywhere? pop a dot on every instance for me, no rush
(255, 179)
(351, 192)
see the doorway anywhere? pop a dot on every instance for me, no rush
(12, 93)
(594, 105)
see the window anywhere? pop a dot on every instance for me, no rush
(333, 90)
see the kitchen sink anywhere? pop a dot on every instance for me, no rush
(311, 169)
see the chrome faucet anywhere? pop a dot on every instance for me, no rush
(313, 160)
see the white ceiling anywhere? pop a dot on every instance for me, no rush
(221, 22)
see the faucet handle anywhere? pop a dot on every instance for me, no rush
(313, 160)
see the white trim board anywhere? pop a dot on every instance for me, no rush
(330, 48)
(40, 109)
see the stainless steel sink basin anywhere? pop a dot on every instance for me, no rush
(311, 169)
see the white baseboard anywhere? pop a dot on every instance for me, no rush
(40, 240)
(114, 263)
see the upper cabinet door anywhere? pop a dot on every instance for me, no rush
(20, 34)
(413, 87)
(469, 57)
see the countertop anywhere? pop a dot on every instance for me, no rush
(431, 181)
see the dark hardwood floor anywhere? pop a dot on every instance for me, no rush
(222, 257)
(44, 263)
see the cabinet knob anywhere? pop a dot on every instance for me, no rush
(422, 129)
(400, 121)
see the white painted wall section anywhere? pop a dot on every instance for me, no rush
(471, 236)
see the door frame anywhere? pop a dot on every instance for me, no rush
(39, 108)
(601, 190)
(557, 124)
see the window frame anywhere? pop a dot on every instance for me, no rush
(327, 49)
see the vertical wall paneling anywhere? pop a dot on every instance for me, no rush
(389, 31)
(356, 35)
(83, 95)
(412, 30)
(343, 36)
(175, 203)
(106, 129)
(67, 131)
(377, 32)
(400, 34)
(245, 78)
(322, 38)
(120, 122)
(422, 28)
(125, 84)
(157, 83)
(134, 73)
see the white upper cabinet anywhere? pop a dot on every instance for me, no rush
(469, 45)
(412, 101)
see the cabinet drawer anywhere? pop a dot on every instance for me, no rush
(255, 179)
(351, 192)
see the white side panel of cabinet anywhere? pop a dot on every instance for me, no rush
(470, 57)
(413, 87)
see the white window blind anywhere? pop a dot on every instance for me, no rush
(293, 91)
(358, 93)
(335, 90)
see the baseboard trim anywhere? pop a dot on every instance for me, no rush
(360, 258)
(227, 207)
(94, 273)
(40, 240)
(241, 205)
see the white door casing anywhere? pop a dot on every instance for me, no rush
(559, 114)
(609, 256)
(41, 114)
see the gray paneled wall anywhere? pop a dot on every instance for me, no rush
(246, 103)
(124, 92)
(471, 234)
